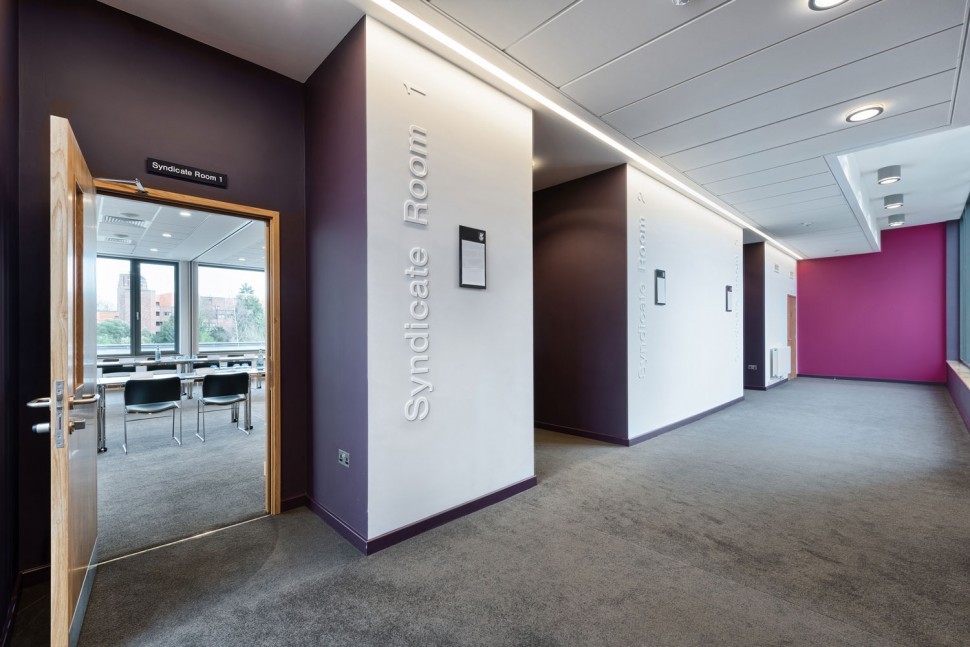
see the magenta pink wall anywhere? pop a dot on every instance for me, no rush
(877, 315)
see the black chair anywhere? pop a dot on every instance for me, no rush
(207, 363)
(149, 397)
(120, 368)
(240, 363)
(221, 391)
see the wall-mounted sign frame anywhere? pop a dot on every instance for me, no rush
(660, 287)
(186, 173)
(729, 298)
(471, 257)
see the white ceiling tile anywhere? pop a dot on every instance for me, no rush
(826, 48)
(784, 173)
(779, 188)
(735, 30)
(839, 215)
(868, 134)
(801, 208)
(907, 63)
(502, 22)
(897, 101)
(790, 199)
(594, 32)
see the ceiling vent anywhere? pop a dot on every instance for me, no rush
(116, 239)
(121, 220)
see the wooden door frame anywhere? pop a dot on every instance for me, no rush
(273, 356)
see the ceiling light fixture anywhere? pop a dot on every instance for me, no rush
(166, 235)
(822, 5)
(241, 258)
(153, 249)
(897, 220)
(185, 214)
(889, 174)
(503, 76)
(864, 114)
(894, 201)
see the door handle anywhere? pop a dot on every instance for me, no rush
(39, 403)
(85, 399)
(41, 428)
(75, 424)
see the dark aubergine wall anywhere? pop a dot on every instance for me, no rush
(336, 201)
(9, 94)
(754, 316)
(580, 296)
(132, 90)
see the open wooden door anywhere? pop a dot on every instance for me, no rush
(73, 425)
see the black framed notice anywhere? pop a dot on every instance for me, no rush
(471, 257)
(660, 287)
(728, 298)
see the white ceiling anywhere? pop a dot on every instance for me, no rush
(132, 228)
(743, 99)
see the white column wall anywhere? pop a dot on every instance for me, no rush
(478, 435)
(688, 359)
(778, 285)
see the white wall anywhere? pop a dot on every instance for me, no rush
(478, 436)
(778, 285)
(692, 348)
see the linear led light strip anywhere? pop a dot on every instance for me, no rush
(502, 75)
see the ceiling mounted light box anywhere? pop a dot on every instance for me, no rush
(889, 174)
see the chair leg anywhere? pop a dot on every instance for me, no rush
(179, 439)
(124, 445)
(199, 413)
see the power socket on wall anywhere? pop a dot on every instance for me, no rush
(752, 367)
(343, 458)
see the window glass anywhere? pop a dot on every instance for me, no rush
(964, 300)
(114, 306)
(137, 306)
(159, 325)
(232, 309)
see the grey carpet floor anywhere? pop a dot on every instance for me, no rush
(160, 492)
(819, 513)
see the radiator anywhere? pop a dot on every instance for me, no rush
(780, 361)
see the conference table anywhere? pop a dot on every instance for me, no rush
(183, 363)
(190, 377)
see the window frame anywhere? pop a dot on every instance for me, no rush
(134, 305)
(198, 310)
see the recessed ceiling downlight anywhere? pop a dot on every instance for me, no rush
(864, 114)
(897, 220)
(894, 201)
(153, 249)
(166, 235)
(185, 214)
(822, 5)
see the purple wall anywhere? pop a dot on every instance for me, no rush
(8, 272)
(754, 316)
(132, 90)
(877, 316)
(336, 198)
(579, 283)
